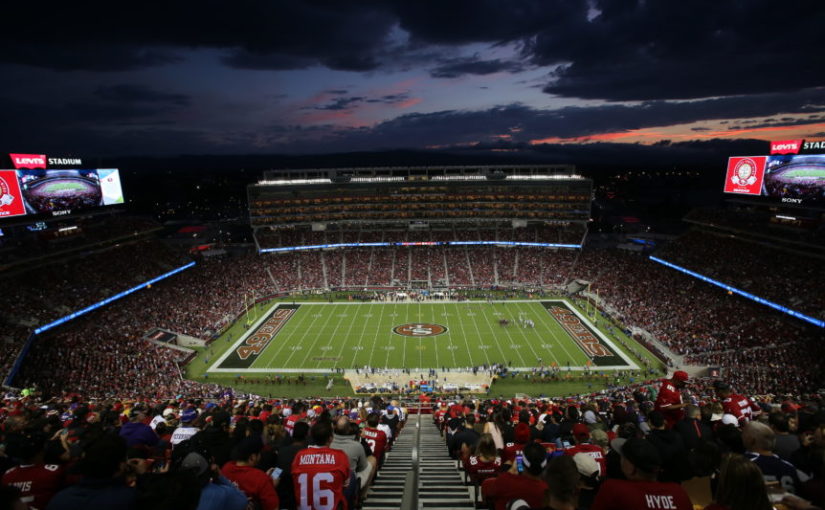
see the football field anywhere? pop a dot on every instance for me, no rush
(319, 337)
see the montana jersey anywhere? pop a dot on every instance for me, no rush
(377, 440)
(320, 475)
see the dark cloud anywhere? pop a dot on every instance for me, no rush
(454, 68)
(129, 93)
(259, 34)
(688, 49)
(390, 98)
(341, 103)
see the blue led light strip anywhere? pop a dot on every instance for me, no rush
(414, 243)
(762, 301)
(25, 350)
(109, 299)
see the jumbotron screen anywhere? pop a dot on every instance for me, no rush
(54, 192)
(794, 179)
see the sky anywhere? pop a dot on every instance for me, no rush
(315, 77)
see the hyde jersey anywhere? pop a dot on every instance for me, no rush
(319, 475)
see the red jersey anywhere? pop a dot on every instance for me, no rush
(507, 487)
(377, 440)
(482, 469)
(253, 482)
(320, 475)
(740, 406)
(38, 483)
(669, 395)
(624, 494)
(291, 420)
(592, 450)
(508, 455)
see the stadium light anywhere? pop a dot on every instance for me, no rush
(415, 243)
(109, 299)
(730, 289)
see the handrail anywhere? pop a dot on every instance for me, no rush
(410, 499)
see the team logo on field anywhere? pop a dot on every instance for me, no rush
(419, 329)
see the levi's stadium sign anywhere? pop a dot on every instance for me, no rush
(28, 160)
(32, 161)
(786, 147)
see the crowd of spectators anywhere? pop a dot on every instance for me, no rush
(219, 452)
(662, 444)
(676, 444)
(790, 279)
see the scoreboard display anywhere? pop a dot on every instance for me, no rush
(786, 178)
(41, 192)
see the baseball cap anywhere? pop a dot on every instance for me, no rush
(522, 433)
(581, 431)
(195, 462)
(168, 412)
(188, 415)
(681, 375)
(721, 386)
(790, 407)
(639, 452)
(729, 419)
(586, 465)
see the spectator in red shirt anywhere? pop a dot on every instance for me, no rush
(641, 491)
(522, 436)
(374, 437)
(37, 481)
(739, 406)
(321, 473)
(256, 484)
(484, 462)
(512, 485)
(581, 435)
(669, 400)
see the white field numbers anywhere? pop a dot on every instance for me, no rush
(322, 499)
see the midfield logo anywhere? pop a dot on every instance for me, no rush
(419, 329)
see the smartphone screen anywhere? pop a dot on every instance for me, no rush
(276, 473)
(519, 463)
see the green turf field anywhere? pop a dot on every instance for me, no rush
(319, 337)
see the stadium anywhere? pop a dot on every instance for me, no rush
(412, 255)
(473, 287)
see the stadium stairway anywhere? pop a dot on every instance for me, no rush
(387, 489)
(440, 483)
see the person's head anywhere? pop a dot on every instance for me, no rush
(103, 457)
(486, 446)
(599, 438)
(758, 437)
(179, 490)
(656, 420)
(321, 433)
(640, 459)
(300, 431)
(581, 433)
(722, 389)
(779, 422)
(248, 450)
(373, 419)
(741, 485)
(562, 478)
(522, 433)
(137, 415)
(692, 412)
(534, 457)
(680, 378)
(342, 426)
